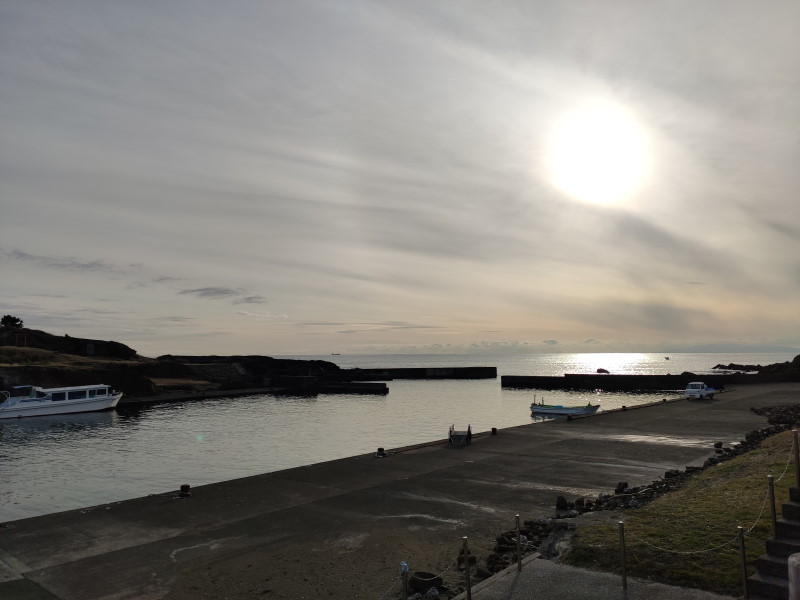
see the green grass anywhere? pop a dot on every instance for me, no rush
(688, 537)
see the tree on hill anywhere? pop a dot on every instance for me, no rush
(10, 322)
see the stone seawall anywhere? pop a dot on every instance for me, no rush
(638, 382)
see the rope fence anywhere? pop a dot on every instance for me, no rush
(524, 545)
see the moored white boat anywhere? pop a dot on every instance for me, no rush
(34, 401)
(557, 409)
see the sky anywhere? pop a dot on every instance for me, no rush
(311, 177)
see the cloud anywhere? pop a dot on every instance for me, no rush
(70, 263)
(211, 292)
(174, 319)
(251, 300)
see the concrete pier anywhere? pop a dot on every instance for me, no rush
(339, 529)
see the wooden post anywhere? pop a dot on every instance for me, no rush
(622, 558)
(796, 457)
(466, 569)
(744, 562)
(519, 546)
(772, 506)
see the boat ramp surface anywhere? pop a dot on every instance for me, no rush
(339, 529)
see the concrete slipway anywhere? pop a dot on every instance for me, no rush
(340, 529)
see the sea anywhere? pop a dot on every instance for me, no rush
(58, 463)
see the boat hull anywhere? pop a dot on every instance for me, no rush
(547, 409)
(36, 408)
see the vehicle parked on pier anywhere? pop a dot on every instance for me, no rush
(699, 390)
(34, 401)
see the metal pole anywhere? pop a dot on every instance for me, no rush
(622, 558)
(466, 569)
(744, 562)
(772, 506)
(796, 449)
(519, 546)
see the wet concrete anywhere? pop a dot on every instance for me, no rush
(340, 528)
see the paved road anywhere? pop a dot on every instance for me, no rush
(340, 529)
(546, 580)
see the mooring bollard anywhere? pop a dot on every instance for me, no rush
(519, 546)
(622, 559)
(771, 484)
(744, 562)
(185, 491)
(404, 578)
(466, 569)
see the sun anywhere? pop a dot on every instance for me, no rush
(598, 153)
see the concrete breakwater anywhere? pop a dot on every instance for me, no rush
(422, 373)
(630, 383)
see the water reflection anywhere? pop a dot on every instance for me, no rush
(38, 429)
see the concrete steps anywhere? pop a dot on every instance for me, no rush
(772, 578)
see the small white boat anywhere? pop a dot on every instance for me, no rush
(557, 409)
(33, 401)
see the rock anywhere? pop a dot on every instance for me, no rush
(621, 487)
(432, 593)
(561, 503)
(717, 444)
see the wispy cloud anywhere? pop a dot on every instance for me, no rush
(211, 292)
(71, 263)
(251, 300)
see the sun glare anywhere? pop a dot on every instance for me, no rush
(598, 153)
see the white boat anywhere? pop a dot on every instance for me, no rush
(33, 401)
(557, 409)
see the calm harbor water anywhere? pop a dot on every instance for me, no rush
(50, 464)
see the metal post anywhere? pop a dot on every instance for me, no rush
(744, 562)
(519, 546)
(622, 558)
(796, 449)
(772, 506)
(466, 569)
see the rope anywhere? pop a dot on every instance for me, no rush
(391, 587)
(788, 461)
(446, 569)
(735, 538)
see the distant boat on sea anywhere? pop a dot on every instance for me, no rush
(335, 354)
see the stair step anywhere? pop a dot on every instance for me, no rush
(776, 566)
(782, 547)
(788, 529)
(791, 511)
(766, 586)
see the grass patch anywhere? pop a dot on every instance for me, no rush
(689, 536)
(24, 356)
